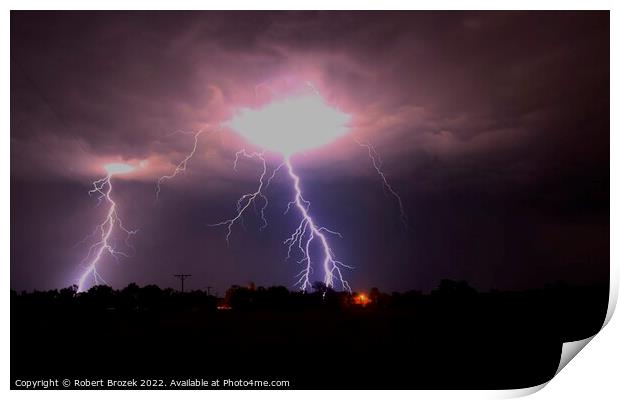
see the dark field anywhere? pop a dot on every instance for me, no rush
(451, 338)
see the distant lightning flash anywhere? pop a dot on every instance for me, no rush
(376, 163)
(180, 167)
(104, 231)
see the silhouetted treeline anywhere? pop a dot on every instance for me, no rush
(453, 337)
(576, 306)
(131, 298)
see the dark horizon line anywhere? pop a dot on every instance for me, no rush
(462, 283)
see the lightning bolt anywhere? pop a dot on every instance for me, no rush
(375, 158)
(247, 199)
(307, 231)
(103, 234)
(181, 166)
(309, 240)
(305, 234)
(244, 202)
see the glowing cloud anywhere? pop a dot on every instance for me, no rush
(118, 168)
(290, 125)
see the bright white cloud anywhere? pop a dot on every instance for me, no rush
(290, 125)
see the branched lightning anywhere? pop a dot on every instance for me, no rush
(244, 202)
(309, 241)
(103, 234)
(181, 166)
(304, 235)
(375, 158)
(306, 232)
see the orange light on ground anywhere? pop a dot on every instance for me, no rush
(361, 299)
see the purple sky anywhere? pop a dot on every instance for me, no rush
(494, 128)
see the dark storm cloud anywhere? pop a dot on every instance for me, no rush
(506, 110)
(453, 82)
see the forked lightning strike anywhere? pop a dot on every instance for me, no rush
(105, 230)
(376, 163)
(271, 128)
(305, 233)
(248, 199)
(303, 237)
(180, 167)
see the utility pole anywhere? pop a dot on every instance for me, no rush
(208, 290)
(182, 277)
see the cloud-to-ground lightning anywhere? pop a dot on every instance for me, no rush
(375, 159)
(286, 127)
(103, 233)
(306, 232)
(303, 237)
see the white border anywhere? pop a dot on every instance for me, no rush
(594, 373)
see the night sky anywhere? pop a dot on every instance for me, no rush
(493, 127)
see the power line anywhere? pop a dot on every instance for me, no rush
(182, 277)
